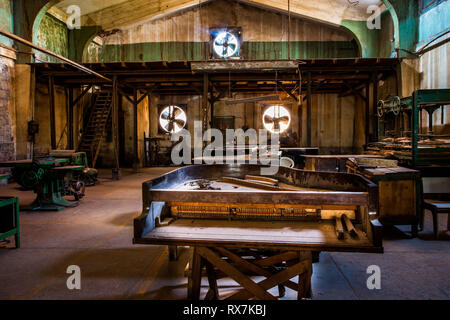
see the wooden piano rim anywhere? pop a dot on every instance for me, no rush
(262, 197)
(280, 235)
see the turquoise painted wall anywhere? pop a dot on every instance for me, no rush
(368, 38)
(52, 35)
(6, 20)
(408, 13)
(434, 21)
(385, 36)
(195, 51)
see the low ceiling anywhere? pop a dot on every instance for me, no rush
(111, 14)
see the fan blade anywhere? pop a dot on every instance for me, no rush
(179, 122)
(165, 115)
(177, 112)
(232, 46)
(227, 37)
(217, 43)
(283, 119)
(268, 119)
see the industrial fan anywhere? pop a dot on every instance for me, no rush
(172, 119)
(226, 45)
(276, 119)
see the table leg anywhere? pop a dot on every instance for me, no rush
(304, 279)
(196, 276)
(173, 253)
(435, 224)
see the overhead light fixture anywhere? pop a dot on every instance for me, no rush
(253, 99)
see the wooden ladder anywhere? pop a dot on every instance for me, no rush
(94, 131)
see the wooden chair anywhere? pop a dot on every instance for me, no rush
(437, 205)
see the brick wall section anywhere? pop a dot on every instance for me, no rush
(7, 151)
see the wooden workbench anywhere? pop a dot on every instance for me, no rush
(276, 250)
(399, 193)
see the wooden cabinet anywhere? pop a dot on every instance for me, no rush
(399, 193)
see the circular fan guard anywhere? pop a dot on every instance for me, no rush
(225, 45)
(276, 119)
(172, 119)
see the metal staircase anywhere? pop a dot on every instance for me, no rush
(94, 131)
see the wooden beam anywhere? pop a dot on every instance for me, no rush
(308, 110)
(83, 93)
(288, 92)
(271, 282)
(205, 102)
(144, 96)
(115, 128)
(375, 105)
(354, 91)
(367, 118)
(135, 131)
(51, 97)
(215, 66)
(70, 141)
(235, 274)
(196, 276)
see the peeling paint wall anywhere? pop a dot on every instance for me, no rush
(7, 106)
(407, 12)
(6, 20)
(185, 36)
(52, 35)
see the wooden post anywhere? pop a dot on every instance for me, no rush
(308, 111)
(135, 131)
(205, 103)
(196, 276)
(149, 116)
(304, 279)
(51, 96)
(375, 105)
(70, 142)
(213, 100)
(367, 125)
(115, 128)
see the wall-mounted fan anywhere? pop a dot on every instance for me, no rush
(225, 43)
(276, 119)
(172, 119)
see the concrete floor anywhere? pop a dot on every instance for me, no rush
(97, 236)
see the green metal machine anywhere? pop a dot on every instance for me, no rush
(52, 178)
(9, 219)
(402, 135)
